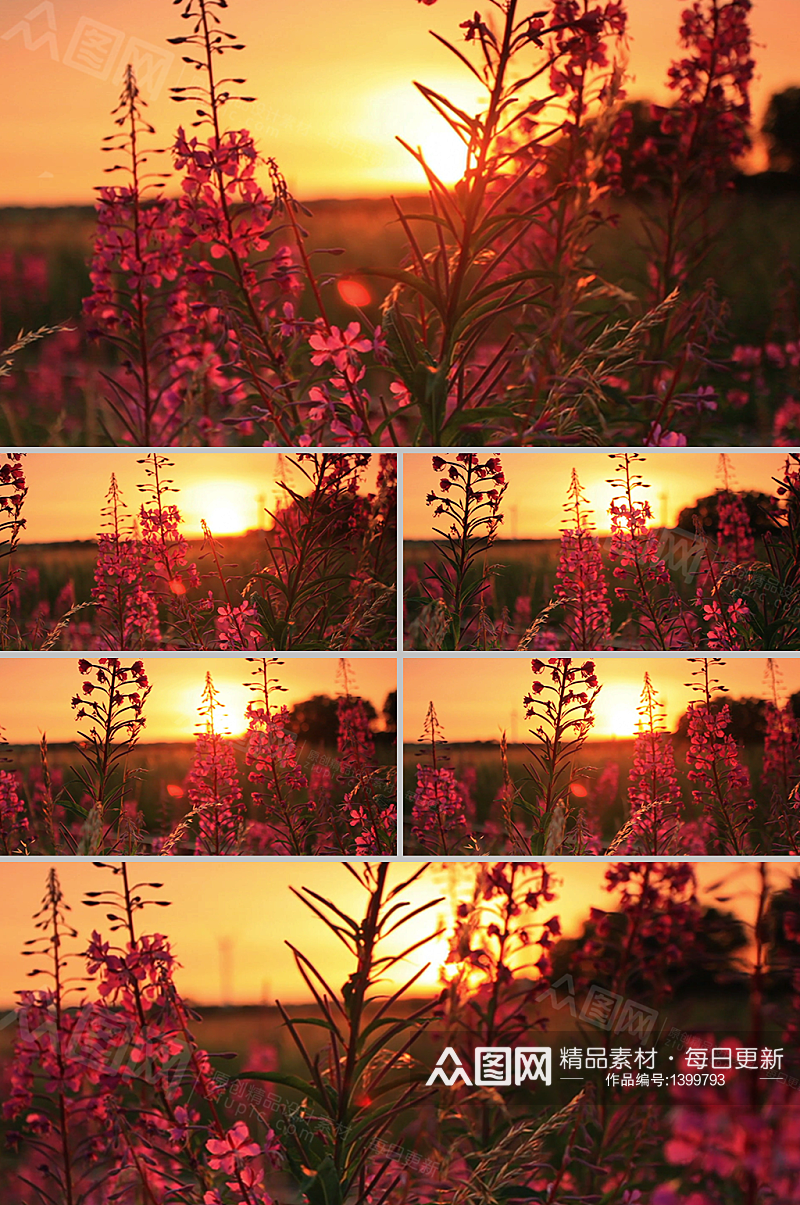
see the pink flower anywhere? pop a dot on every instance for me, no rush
(580, 577)
(340, 347)
(229, 1153)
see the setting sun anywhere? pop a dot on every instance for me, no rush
(229, 718)
(445, 153)
(616, 710)
(229, 507)
(420, 127)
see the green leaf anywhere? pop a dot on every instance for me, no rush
(463, 418)
(324, 1188)
(287, 1081)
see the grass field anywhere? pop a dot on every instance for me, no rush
(521, 569)
(59, 563)
(44, 571)
(366, 231)
(483, 757)
(158, 771)
(754, 264)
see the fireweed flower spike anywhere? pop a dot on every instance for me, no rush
(213, 782)
(369, 804)
(127, 609)
(500, 936)
(135, 303)
(437, 819)
(720, 783)
(469, 497)
(225, 210)
(275, 772)
(130, 1102)
(354, 741)
(702, 137)
(51, 1043)
(781, 766)
(654, 795)
(639, 563)
(560, 706)
(15, 832)
(110, 709)
(735, 532)
(170, 574)
(580, 577)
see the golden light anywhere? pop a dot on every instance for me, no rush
(445, 154)
(601, 495)
(229, 719)
(229, 507)
(405, 111)
(616, 711)
(436, 953)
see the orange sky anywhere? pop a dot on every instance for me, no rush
(251, 905)
(35, 693)
(476, 698)
(230, 490)
(333, 83)
(538, 484)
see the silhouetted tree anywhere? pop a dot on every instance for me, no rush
(709, 959)
(390, 711)
(782, 130)
(314, 720)
(706, 510)
(748, 719)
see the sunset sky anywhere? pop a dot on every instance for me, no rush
(36, 693)
(333, 83)
(476, 698)
(538, 484)
(251, 905)
(230, 490)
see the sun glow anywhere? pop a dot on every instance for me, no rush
(445, 154)
(405, 111)
(616, 711)
(229, 719)
(229, 507)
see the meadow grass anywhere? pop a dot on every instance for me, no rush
(760, 238)
(157, 772)
(484, 758)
